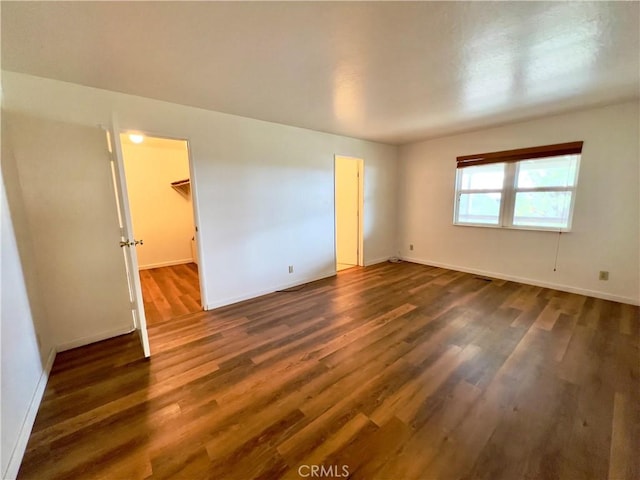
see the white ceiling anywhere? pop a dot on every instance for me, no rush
(392, 72)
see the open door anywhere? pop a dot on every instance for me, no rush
(127, 242)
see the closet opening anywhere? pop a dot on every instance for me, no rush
(158, 184)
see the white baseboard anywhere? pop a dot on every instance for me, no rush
(27, 425)
(166, 264)
(80, 342)
(249, 296)
(375, 261)
(529, 281)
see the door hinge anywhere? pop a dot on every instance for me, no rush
(109, 147)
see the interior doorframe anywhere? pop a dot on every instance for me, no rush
(360, 163)
(194, 202)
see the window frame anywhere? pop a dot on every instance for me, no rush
(459, 192)
(511, 161)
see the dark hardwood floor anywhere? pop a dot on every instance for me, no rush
(170, 292)
(396, 371)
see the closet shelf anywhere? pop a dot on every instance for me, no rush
(183, 187)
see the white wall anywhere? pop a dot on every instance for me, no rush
(162, 217)
(26, 248)
(265, 190)
(69, 203)
(21, 365)
(23, 373)
(606, 218)
(27, 351)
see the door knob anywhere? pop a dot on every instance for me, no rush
(129, 243)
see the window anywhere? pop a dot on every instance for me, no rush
(480, 194)
(531, 188)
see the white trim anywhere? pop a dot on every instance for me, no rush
(30, 417)
(249, 296)
(195, 207)
(80, 342)
(529, 281)
(361, 212)
(166, 264)
(375, 261)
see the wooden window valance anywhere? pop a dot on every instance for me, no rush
(544, 151)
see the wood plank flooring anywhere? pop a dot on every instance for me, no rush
(396, 371)
(170, 292)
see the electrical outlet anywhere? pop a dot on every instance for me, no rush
(603, 275)
(290, 268)
(411, 246)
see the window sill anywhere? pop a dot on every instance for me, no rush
(513, 227)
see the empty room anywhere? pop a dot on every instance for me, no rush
(368, 240)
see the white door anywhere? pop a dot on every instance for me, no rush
(127, 242)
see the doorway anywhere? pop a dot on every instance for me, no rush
(158, 184)
(349, 200)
